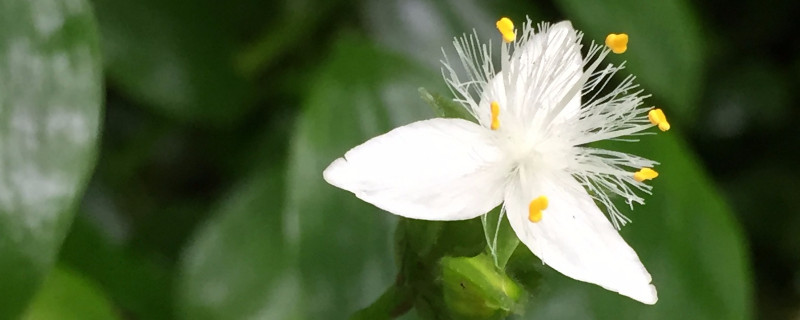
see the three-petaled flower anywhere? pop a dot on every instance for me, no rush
(527, 151)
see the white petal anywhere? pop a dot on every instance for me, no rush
(575, 238)
(439, 169)
(557, 52)
(544, 74)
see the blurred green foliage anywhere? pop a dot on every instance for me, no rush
(171, 56)
(50, 99)
(66, 296)
(207, 201)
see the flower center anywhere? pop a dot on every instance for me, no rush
(536, 153)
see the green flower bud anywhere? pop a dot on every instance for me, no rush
(474, 289)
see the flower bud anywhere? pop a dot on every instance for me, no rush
(474, 289)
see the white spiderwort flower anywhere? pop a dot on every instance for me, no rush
(528, 151)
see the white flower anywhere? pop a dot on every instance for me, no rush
(528, 151)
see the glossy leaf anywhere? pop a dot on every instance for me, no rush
(237, 266)
(66, 295)
(140, 287)
(50, 100)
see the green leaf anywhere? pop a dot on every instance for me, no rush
(418, 238)
(396, 301)
(66, 295)
(665, 49)
(285, 33)
(174, 56)
(238, 266)
(344, 244)
(140, 287)
(50, 100)
(685, 235)
(429, 241)
(445, 107)
(420, 247)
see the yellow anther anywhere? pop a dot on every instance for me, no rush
(536, 207)
(495, 114)
(645, 174)
(617, 42)
(658, 118)
(506, 28)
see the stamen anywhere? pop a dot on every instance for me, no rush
(645, 174)
(617, 42)
(495, 113)
(658, 118)
(506, 28)
(535, 209)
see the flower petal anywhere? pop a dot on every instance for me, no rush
(555, 57)
(544, 74)
(575, 238)
(439, 169)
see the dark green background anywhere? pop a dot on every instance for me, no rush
(193, 189)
